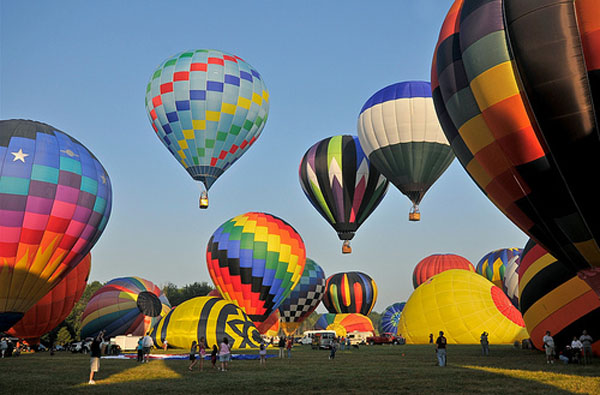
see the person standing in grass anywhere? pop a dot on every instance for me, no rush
(147, 344)
(263, 353)
(440, 347)
(281, 345)
(549, 347)
(224, 354)
(586, 341)
(140, 350)
(334, 346)
(193, 360)
(485, 345)
(288, 346)
(202, 352)
(95, 354)
(213, 356)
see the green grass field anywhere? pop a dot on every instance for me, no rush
(373, 370)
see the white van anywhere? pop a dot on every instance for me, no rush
(325, 338)
(357, 337)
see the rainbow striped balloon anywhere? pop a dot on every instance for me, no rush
(352, 292)
(55, 201)
(126, 305)
(493, 265)
(255, 260)
(344, 324)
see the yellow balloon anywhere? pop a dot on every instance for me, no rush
(463, 305)
(209, 317)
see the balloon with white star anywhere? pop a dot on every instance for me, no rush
(55, 201)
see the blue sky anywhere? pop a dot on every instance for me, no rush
(82, 67)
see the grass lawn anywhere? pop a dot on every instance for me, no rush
(370, 369)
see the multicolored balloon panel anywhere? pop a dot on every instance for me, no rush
(402, 137)
(493, 265)
(55, 201)
(351, 292)
(510, 284)
(344, 324)
(341, 183)
(437, 263)
(207, 107)
(123, 306)
(206, 317)
(553, 298)
(462, 304)
(523, 125)
(55, 306)
(255, 260)
(306, 295)
(390, 318)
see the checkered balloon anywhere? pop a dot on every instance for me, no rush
(306, 296)
(207, 107)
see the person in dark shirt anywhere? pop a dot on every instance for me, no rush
(440, 346)
(95, 353)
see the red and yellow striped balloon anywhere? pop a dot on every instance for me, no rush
(351, 292)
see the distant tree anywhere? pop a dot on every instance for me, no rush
(73, 320)
(63, 336)
(375, 319)
(178, 295)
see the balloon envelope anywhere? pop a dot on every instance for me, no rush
(55, 306)
(553, 298)
(344, 324)
(351, 292)
(255, 260)
(402, 137)
(210, 318)
(463, 305)
(123, 306)
(390, 318)
(437, 263)
(55, 201)
(340, 182)
(524, 126)
(493, 265)
(306, 295)
(207, 107)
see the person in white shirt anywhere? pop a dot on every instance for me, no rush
(147, 344)
(586, 341)
(549, 346)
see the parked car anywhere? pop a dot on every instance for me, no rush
(385, 338)
(359, 338)
(83, 346)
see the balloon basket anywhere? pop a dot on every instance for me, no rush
(203, 201)
(346, 249)
(414, 217)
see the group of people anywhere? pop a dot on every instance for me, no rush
(579, 351)
(144, 345)
(198, 354)
(285, 343)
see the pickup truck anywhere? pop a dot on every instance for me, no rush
(385, 338)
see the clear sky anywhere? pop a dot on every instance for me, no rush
(83, 66)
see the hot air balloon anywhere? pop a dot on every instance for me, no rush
(123, 306)
(55, 201)
(402, 137)
(343, 324)
(341, 184)
(255, 260)
(270, 326)
(554, 298)
(209, 318)
(304, 298)
(463, 304)
(390, 318)
(351, 292)
(437, 263)
(493, 265)
(55, 306)
(207, 107)
(524, 125)
(510, 284)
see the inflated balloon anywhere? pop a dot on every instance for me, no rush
(463, 305)
(351, 292)
(339, 181)
(255, 260)
(206, 317)
(55, 201)
(553, 298)
(344, 324)
(55, 306)
(207, 107)
(390, 318)
(304, 298)
(402, 137)
(123, 306)
(493, 264)
(270, 326)
(510, 284)
(524, 125)
(437, 263)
